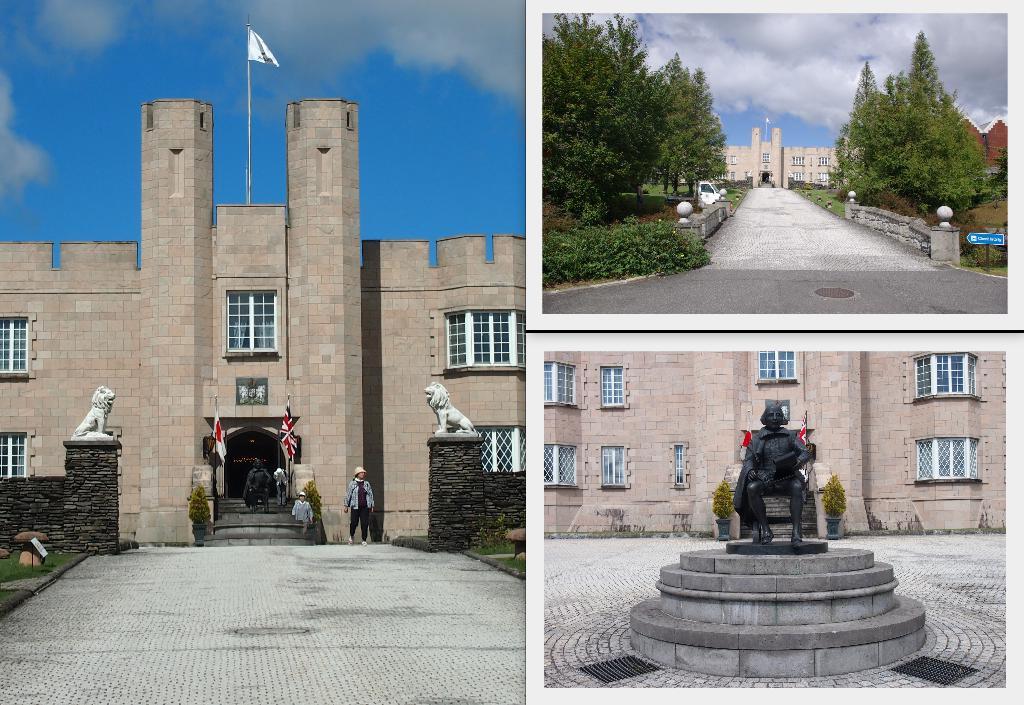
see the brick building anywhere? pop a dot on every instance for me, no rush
(770, 163)
(993, 136)
(237, 307)
(639, 441)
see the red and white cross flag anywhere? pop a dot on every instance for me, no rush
(286, 436)
(745, 443)
(218, 437)
(802, 435)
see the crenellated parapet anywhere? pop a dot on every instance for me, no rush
(401, 265)
(90, 266)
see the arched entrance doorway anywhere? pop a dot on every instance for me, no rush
(245, 447)
(766, 177)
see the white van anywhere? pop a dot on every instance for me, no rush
(708, 193)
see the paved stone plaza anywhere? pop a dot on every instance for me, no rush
(269, 625)
(590, 585)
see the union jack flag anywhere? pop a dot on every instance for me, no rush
(286, 437)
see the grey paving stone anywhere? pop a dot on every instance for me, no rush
(844, 659)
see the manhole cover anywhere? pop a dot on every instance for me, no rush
(619, 668)
(269, 631)
(834, 293)
(935, 670)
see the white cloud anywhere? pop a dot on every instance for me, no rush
(22, 161)
(807, 65)
(88, 25)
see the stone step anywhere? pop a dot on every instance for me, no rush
(777, 510)
(214, 542)
(257, 518)
(674, 576)
(258, 531)
(840, 560)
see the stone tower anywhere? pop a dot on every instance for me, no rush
(175, 327)
(324, 307)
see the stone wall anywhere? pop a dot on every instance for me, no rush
(77, 512)
(505, 494)
(705, 224)
(941, 244)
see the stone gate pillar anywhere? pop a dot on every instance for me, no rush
(91, 495)
(456, 491)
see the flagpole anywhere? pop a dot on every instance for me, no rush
(248, 91)
(288, 456)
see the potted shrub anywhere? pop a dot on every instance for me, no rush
(313, 497)
(833, 500)
(721, 505)
(199, 514)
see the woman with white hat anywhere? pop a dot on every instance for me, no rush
(360, 500)
(302, 511)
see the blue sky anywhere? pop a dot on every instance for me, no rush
(440, 91)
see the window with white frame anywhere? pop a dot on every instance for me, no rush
(776, 364)
(613, 391)
(252, 320)
(12, 455)
(798, 161)
(766, 157)
(945, 373)
(503, 448)
(13, 344)
(823, 177)
(559, 464)
(799, 176)
(559, 383)
(947, 459)
(679, 454)
(732, 159)
(486, 338)
(613, 465)
(732, 176)
(822, 161)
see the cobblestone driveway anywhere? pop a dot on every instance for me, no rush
(326, 624)
(590, 584)
(775, 228)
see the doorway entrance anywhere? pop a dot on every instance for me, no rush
(766, 177)
(244, 449)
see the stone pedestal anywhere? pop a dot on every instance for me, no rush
(945, 245)
(777, 615)
(456, 493)
(91, 495)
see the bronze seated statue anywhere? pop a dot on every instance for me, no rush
(772, 468)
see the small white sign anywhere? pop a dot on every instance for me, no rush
(40, 549)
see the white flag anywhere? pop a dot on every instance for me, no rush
(259, 51)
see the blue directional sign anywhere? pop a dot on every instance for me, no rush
(986, 238)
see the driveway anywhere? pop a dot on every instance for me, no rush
(777, 253)
(268, 624)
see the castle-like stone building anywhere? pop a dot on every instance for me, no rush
(639, 441)
(235, 309)
(770, 164)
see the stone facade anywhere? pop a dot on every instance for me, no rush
(354, 342)
(78, 512)
(864, 419)
(783, 165)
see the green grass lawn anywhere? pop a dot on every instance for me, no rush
(734, 196)
(519, 565)
(494, 548)
(831, 202)
(10, 570)
(4, 594)
(997, 270)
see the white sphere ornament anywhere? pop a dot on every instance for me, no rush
(723, 192)
(684, 209)
(852, 195)
(944, 213)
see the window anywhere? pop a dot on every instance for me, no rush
(822, 161)
(559, 465)
(503, 449)
(612, 391)
(823, 177)
(251, 320)
(12, 455)
(776, 364)
(945, 374)
(559, 383)
(13, 345)
(798, 161)
(732, 159)
(766, 157)
(732, 176)
(680, 464)
(947, 459)
(799, 176)
(613, 466)
(485, 338)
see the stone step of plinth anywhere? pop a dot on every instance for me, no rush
(777, 510)
(213, 541)
(878, 574)
(254, 531)
(801, 651)
(839, 560)
(254, 518)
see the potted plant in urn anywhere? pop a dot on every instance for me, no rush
(199, 514)
(721, 505)
(833, 501)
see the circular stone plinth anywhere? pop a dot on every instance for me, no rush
(841, 560)
(676, 577)
(747, 548)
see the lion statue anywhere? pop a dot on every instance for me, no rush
(447, 415)
(95, 423)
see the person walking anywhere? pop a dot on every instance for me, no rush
(281, 478)
(360, 500)
(303, 512)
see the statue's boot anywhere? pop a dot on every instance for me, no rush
(766, 534)
(797, 536)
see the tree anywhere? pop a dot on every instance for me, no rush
(603, 114)
(909, 139)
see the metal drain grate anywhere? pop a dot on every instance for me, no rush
(619, 668)
(935, 670)
(834, 292)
